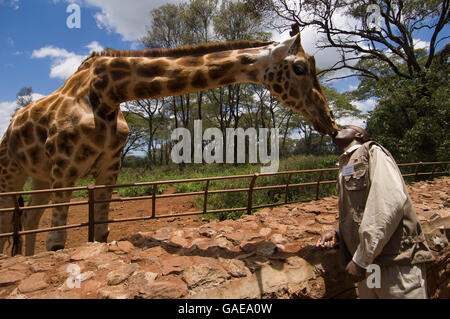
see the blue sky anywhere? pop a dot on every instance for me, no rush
(40, 24)
(39, 50)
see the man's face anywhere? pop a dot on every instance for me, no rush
(344, 137)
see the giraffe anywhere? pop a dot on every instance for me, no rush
(79, 129)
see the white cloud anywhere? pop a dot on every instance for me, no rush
(311, 39)
(7, 109)
(64, 63)
(12, 3)
(128, 18)
(10, 41)
(94, 46)
(365, 106)
(421, 44)
(350, 120)
(37, 96)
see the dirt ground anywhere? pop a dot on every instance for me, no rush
(119, 210)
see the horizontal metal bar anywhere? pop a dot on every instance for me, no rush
(215, 211)
(291, 185)
(4, 210)
(193, 180)
(127, 199)
(280, 204)
(427, 173)
(43, 230)
(44, 191)
(146, 197)
(424, 163)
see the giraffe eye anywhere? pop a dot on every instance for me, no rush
(299, 69)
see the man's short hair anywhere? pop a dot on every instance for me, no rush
(365, 135)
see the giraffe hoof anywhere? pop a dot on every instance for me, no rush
(56, 247)
(104, 238)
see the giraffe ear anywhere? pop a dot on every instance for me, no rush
(288, 47)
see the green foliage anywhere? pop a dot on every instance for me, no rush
(261, 197)
(234, 22)
(340, 103)
(413, 115)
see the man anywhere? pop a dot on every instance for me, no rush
(377, 222)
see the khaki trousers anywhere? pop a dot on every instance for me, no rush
(397, 282)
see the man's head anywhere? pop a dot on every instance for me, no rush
(350, 135)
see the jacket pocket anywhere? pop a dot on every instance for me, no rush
(359, 180)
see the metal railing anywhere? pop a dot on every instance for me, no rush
(250, 190)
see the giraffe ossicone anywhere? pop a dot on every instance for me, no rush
(79, 130)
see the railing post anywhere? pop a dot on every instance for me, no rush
(250, 193)
(17, 242)
(91, 221)
(155, 186)
(417, 170)
(432, 171)
(205, 200)
(286, 195)
(318, 185)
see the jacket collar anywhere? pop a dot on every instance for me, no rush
(351, 149)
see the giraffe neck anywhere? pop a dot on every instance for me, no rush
(133, 78)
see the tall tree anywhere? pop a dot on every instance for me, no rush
(198, 16)
(150, 112)
(234, 22)
(137, 138)
(23, 97)
(167, 30)
(345, 26)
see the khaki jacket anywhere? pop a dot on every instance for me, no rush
(377, 221)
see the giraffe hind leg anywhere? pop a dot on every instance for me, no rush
(9, 183)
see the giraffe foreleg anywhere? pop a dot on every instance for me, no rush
(57, 239)
(102, 209)
(31, 218)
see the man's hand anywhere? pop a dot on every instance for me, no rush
(327, 240)
(354, 272)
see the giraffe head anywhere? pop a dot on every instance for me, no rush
(291, 77)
